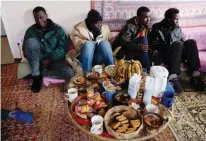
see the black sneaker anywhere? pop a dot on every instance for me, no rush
(176, 85)
(36, 84)
(198, 83)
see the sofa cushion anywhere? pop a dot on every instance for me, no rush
(202, 55)
(198, 34)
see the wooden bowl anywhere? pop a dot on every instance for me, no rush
(79, 119)
(153, 120)
(134, 114)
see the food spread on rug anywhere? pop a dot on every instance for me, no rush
(51, 119)
(114, 96)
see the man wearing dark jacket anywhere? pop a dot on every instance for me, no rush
(45, 46)
(131, 42)
(166, 38)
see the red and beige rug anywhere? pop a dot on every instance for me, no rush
(50, 119)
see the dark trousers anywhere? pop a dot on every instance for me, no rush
(143, 57)
(177, 53)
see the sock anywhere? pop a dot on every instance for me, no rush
(195, 73)
(36, 84)
(172, 76)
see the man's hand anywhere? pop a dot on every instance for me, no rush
(45, 63)
(111, 40)
(155, 53)
(144, 47)
(72, 54)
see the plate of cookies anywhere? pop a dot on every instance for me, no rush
(80, 80)
(87, 105)
(123, 122)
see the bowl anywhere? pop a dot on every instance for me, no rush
(93, 76)
(138, 102)
(110, 70)
(121, 98)
(79, 80)
(130, 114)
(153, 120)
(151, 108)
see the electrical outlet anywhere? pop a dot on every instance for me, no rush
(20, 43)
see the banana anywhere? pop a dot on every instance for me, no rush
(118, 67)
(129, 70)
(124, 70)
(138, 67)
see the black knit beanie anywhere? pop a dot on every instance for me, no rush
(93, 16)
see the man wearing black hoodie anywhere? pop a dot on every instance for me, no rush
(166, 37)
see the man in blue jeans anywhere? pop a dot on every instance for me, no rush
(45, 46)
(90, 40)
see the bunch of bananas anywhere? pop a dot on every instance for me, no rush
(126, 68)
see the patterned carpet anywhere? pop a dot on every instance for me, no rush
(190, 116)
(50, 119)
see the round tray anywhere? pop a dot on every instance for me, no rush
(107, 137)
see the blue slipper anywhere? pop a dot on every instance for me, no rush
(25, 117)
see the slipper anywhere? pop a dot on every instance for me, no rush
(25, 117)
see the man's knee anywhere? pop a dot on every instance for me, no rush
(89, 44)
(178, 44)
(32, 43)
(191, 44)
(190, 41)
(68, 72)
(104, 43)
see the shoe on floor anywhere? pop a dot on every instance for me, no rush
(198, 83)
(176, 85)
(36, 84)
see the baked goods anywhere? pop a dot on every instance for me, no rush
(153, 120)
(108, 86)
(122, 124)
(79, 80)
(93, 75)
(91, 104)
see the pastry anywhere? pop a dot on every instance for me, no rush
(131, 129)
(115, 125)
(125, 125)
(120, 117)
(123, 118)
(122, 130)
(124, 121)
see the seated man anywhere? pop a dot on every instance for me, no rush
(45, 45)
(90, 39)
(166, 38)
(130, 43)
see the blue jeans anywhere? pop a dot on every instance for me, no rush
(144, 59)
(93, 54)
(59, 70)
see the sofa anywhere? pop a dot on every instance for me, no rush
(199, 35)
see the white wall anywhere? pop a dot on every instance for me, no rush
(17, 17)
